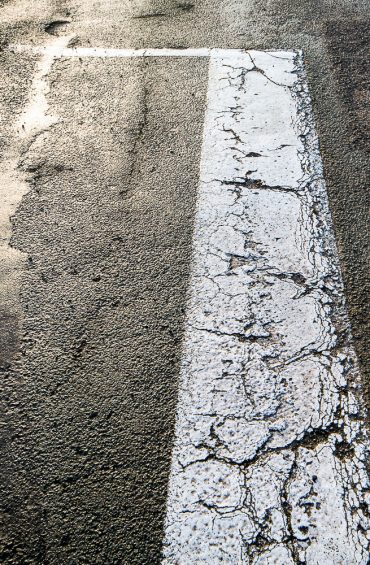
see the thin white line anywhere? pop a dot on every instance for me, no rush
(103, 52)
(263, 405)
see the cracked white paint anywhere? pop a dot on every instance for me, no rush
(268, 463)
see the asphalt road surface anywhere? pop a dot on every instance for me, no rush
(107, 164)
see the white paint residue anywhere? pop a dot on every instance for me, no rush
(268, 463)
(35, 117)
(103, 52)
(33, 121)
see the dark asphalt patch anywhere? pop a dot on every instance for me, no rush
(56, 26)
(348, 44)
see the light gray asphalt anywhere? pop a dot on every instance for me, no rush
(91, 336)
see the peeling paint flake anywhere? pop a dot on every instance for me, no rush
(269, 457)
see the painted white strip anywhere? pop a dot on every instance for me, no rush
(268, 463)
(102, 52)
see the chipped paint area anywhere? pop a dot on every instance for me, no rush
(31, 126)
(268, 464)
(33, 122)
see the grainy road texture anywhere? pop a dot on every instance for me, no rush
(97, 209)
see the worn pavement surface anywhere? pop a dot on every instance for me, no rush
(95, 262)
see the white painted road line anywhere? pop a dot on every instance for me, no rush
(268, 464)
(104, 52)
